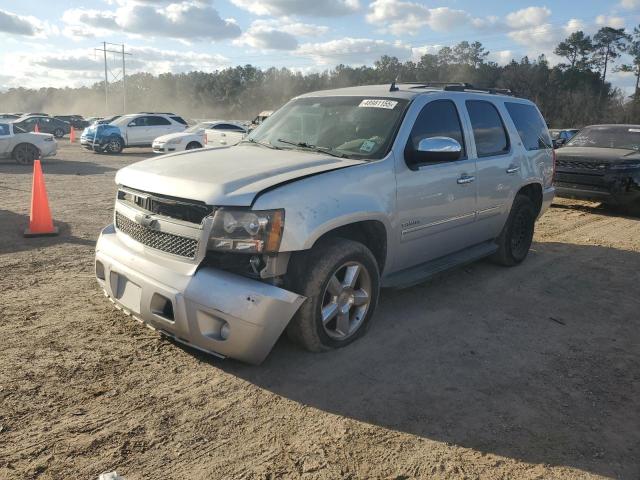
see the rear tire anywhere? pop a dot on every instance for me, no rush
(341, 281)
(517, 235)
(25, 154)
(193, 145)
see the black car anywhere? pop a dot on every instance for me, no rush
(602, 162)
(76, 121)
(45, 125)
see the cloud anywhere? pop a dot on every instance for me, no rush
(186, 20)
(630, 4)
(610, 21)
(23, 25)
(528, 17)
(354, 51)
(418, 52)
(278, 34)
(404, 17)
(316, 8)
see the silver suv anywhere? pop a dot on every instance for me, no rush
(337, 194)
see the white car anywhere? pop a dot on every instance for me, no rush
(134, 130)
(25, 147)
(208, 133)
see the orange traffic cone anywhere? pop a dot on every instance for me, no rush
(72, 135)
(36, 128)
(40, 222)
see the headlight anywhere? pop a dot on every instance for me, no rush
(246, 231)
(625, 166)
(174, 141)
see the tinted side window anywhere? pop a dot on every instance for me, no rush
(179, 120)
(530, 125)
(437, 119)
(4, 129)
(155, 121)
(488, 129)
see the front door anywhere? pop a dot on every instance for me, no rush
(436, 201)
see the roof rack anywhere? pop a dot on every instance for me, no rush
(460, 87)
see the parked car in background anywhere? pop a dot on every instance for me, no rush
(76, 121)
(339, 193)
(24, 147)
(261, 117)
(45, 124)
(92, 120)
(134, 130)
(212, 133)
(39, 114)
(562, 136)
(9, 116)
(602, 162)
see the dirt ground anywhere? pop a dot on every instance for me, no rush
(485, 372)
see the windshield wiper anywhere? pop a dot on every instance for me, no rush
(264, 144)
(314, 148)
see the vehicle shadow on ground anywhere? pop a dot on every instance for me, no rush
(12, 226)
(58, 167)
(600, 209)
(508, 361)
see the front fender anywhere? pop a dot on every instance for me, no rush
(320, 203)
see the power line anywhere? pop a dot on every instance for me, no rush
(115, 76)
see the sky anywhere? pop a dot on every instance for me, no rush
(52, 43)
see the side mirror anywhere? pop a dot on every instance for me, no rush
(434, 150)
(131, 124)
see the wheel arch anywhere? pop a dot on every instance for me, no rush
(534, 192)
(372, 233)
(25, 143)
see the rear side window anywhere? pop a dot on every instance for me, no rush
(4, 130)
(155, 121)
(179, 120)
(530, 125)
(488, 128)
(437, 119)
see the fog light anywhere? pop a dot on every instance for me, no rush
(224, 331)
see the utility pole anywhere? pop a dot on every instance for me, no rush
(114, 76)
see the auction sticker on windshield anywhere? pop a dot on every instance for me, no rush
(377, 103)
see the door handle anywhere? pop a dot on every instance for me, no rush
(464, 179)
(513, 169)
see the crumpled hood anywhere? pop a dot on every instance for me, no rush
(225, 176)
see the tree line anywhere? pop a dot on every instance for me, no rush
(573, 93)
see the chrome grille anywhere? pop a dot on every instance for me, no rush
(165, 242)
(581, 165)
(181, 209)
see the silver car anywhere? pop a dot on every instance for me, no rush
(337, 194)
(25, 147)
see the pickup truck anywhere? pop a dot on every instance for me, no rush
(336, 195)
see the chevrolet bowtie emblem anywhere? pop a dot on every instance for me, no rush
(147, 221)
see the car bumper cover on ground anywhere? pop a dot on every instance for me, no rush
(209, 309)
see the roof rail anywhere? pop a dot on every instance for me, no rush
(460, 87)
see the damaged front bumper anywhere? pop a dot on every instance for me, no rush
(211, 310)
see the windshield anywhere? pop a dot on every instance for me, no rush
(615, 136)
(353, 127)
(199, 126)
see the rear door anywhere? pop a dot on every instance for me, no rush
(499, 166)
(158, 126)
(436, 201)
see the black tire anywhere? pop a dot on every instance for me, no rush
(515, 240)
(310, 274)
(193, 145)
(114, 145)
(58, 133)
(25, 153)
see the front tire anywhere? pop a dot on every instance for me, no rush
(517, 235)
(114, 145)
(25, 154)
(341, 281)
